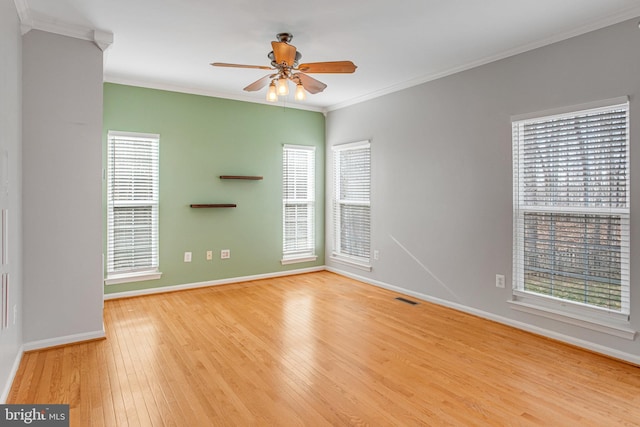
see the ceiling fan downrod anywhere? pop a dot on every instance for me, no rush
(284, 37)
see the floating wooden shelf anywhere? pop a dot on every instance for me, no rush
(251, 178)
(214, 205)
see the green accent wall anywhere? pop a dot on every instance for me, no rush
(202, 138)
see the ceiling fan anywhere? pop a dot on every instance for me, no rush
(284, 64)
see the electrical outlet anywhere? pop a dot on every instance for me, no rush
(209, 255)
(499, 280)
(225, 254)
(376, 254)
(187, 257)
(15, 313)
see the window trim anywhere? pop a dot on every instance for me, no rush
(571, 110)
(352, 261)
(572, 312)
(153, 273)
(613, 327)
(116, 279)
(300, 256)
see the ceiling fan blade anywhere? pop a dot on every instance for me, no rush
(224, 64)
(259, 84)
(328, 67)
(310, 84)
(284, 52)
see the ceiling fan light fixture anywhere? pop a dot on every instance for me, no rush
(283, 86)
(272, 96)
(301, 95)
(285, 66)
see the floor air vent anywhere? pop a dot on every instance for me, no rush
(407, 301)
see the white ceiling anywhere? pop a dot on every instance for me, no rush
(395, 44)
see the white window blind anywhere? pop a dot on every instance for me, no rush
(351, 204)
(298, 200)
(132, 203)
(571, 209)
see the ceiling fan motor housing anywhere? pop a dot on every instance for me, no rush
(274, 64)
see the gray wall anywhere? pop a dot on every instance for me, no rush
(442, 172)
(62, 197)
(10, 141)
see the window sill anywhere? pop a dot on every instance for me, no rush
(296, 260)
(115, 279)
(615, 328)
(351, 263)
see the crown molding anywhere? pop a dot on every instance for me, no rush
(108, 78)
(630, 13)
(26, 22)
(30, 20)
(102, 39)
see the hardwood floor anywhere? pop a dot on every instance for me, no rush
(320, 349)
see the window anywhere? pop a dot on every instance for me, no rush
(571, 211)
(132, 207)
(298, 204)
(351, 204)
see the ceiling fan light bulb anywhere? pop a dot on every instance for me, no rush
(283, 87)
(272, 96)
(300, 93)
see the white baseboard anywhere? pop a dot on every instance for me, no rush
(14, 370)
(163, 289)
(67, 339)
(631, 358)
(597, 348)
